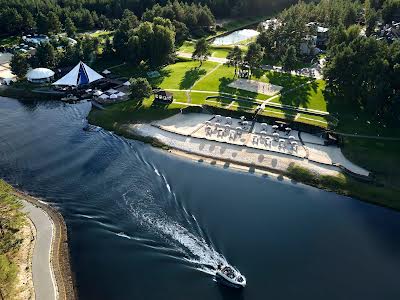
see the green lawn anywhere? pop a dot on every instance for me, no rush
(308, 96)
(183, 75)
(216, 51)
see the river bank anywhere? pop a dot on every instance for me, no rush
(325, 177)
(59, 252)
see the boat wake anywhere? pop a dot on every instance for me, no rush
(184, 235)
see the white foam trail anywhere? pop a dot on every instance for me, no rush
(158, 173)
(123, 235)
(195, 248)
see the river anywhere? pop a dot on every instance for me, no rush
(146, 225)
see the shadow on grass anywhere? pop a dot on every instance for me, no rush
(191, 77)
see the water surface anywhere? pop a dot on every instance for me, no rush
(235, 37)
(146, 225)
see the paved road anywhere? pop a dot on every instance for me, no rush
(43, 279)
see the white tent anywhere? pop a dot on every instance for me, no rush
(40, 75)
(106, 72)
(127, 83)
(121, 94)
(104, 96)
(113, 96)
(98, 93)
(80, 75)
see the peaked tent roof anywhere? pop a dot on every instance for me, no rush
(80, 75)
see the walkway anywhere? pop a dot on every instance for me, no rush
(43, 277)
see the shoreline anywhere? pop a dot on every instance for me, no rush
(59, 261)
(341, 183)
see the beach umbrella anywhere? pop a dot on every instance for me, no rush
(263, 132)
(275, 134)
(292, 137)
(217, 124)
(111, 91)
(238, 128)
(288, 129)
(242, 118)
(208, 122)
(275, 127)
(245, 122)
(227, 125)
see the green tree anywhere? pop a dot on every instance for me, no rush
(201, 50)
(70, 27)
(289, 61)
(140, 88)
(162, 45)
(53, 23)
(235, 57)
(45, 56)
(19, 64)
(254, 55)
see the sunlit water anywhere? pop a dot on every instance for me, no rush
(146, 225)
(235, 37)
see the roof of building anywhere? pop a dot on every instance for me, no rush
(80, 75)
(39, 73)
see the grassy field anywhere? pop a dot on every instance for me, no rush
(306, 96)
(216, 51)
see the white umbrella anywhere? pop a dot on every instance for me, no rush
(217, 124)
(238, 128)
(88, 90)
(288, 129)
(127, 83)
(98, 93)
(121, 94)
(276, 134)
(263, 132)
(275, 127)
(106, 72)
(292, 137)
(113, 96)
(227, 125)
(104, 96)
(245, 122)
(242, 118)
(111, 91)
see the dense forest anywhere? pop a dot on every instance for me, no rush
(47, 15)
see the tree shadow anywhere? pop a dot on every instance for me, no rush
(191, 77)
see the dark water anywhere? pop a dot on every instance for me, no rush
(146, 225)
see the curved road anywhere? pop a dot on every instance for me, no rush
(43, 277)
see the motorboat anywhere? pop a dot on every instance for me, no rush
(230, 277)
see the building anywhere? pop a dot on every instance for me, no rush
(163, 96)
(308, 46)
(36, 39)
(322, 37)
(79, 76)
(40, 75)
(321, 32)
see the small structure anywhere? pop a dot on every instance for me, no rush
(322, 37)
(106, 72)
(79, 76)
(36, 39)
(163, 96)
(153, 74)
(308, 46)
(40, 75)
